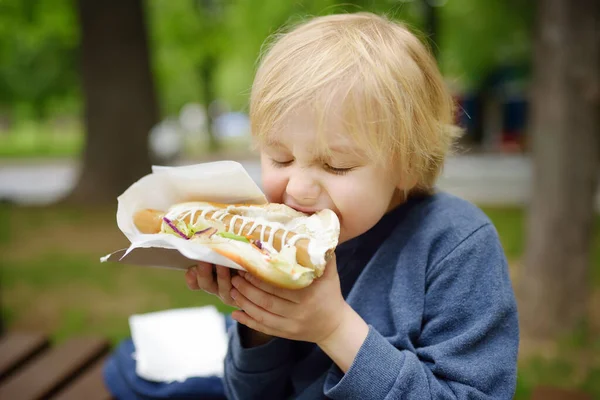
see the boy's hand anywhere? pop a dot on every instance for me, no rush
(311, 314)
(201, 277)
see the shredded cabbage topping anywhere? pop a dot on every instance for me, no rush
(285, 261)
(229, 235)
(182, 229)
(175, 229)
(186, 231)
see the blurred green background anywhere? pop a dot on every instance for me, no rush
(202, 56)
(41, 99)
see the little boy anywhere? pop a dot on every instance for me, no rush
(351, 113)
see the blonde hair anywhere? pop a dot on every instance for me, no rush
(394, 102)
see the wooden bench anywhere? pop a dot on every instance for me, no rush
(553, 393)
(31, 368)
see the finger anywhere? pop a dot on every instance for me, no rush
(245, 319)
(264, 300)
(290, 295)
(260, 315)
(224, 284)
(190, 278)
(205, 278)
(329, 274)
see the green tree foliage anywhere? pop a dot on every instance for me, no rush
(264, 22)
(38, 57)
(39, 41)
(476, 36)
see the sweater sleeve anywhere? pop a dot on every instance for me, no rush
(468, 344)
(259, 372)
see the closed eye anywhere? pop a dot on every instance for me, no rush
(329, 168)
(280, 164)
(337, 171)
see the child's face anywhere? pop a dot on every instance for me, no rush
(350, 184)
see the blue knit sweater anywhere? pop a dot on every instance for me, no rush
(431, 281)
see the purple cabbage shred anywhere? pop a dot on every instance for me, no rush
(212, 231)
(172, 226)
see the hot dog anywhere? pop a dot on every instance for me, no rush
(280, 245)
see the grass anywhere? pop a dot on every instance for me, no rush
(30, 139)
(52, 280)
(56, 283)
(575, 360)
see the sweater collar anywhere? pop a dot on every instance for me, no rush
(382, 229)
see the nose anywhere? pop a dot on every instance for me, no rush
(303, 189)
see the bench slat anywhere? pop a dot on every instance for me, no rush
(57, 365)
(554, 393)
(18, 347)
(88, 386)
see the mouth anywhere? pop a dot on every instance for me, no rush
(309, 211)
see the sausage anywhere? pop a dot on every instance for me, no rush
(149, 221)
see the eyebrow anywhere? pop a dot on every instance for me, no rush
(344, 149)
(273, 142)
(340, 149)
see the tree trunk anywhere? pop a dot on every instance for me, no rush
(431, 22)
(120, 102)
(566, 152)
(207, 75)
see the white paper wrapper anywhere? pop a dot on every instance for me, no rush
(174, 345)
(221, 181)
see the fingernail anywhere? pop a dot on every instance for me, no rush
(193, 272)
(233, 293)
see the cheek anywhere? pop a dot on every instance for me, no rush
(274, 184)
(361, 205)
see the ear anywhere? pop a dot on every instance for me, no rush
(406, 181)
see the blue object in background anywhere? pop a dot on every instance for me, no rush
(515, 110)
(123, 383)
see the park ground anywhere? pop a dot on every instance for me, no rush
(52, 280)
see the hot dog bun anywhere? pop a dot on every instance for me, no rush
(275, 242)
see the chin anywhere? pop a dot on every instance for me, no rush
(344, 237)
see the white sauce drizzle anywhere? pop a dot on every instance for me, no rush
(200, 212)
